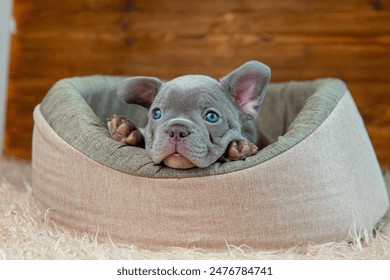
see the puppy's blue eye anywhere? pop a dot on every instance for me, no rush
(211, 117)
(156, 114)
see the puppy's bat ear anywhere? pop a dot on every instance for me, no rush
(247, 85)
(139, 90)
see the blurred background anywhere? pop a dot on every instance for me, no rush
(298, 39)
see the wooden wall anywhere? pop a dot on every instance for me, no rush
(299, 39)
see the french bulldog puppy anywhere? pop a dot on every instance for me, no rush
(195, 120)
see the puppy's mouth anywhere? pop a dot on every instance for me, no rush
(178, 161)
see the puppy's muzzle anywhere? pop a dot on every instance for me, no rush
(177, 132)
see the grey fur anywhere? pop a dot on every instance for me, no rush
(184, 102)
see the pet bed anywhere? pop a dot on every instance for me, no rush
(319, 172)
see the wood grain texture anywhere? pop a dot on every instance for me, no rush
(300, 40)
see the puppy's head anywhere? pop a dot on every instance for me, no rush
(193, 118)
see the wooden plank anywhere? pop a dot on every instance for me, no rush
(260, 5)
(33, 41)
(204, 5)
(205, 23)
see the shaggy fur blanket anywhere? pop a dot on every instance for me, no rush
(25, 233)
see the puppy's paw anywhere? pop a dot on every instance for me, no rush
(123, 130)
(239, 150)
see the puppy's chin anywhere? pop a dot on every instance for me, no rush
(178, 161)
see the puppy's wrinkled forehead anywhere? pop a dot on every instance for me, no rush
(190, 89)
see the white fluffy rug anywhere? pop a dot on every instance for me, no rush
(26, 234)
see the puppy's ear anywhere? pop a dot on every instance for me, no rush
(139, 90)
(247, 85)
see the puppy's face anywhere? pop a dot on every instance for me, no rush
(193, 118)
(191, 122)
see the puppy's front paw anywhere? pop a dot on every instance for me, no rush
(238, 150)
(123, 130)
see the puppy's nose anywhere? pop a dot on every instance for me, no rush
(178, 132)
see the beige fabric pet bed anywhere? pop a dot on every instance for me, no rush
(319, 181)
